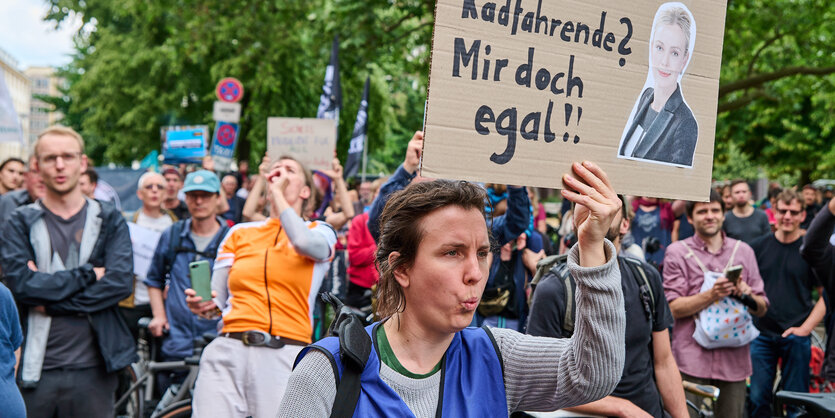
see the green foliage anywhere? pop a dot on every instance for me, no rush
(777, 93)
(152, 63)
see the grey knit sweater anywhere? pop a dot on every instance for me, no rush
(540, 374)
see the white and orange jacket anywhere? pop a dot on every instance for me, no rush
(267, 275)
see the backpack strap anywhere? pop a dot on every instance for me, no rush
(173, 245)
(354, 347)
(690, 254)
(544, 266)
(640, 276)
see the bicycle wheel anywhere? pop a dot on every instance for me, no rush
(181, 409)
(133, 406)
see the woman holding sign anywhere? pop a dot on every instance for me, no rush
(264, 282)
(662, 128)
(422, 359)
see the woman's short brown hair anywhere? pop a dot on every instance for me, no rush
(400, 230)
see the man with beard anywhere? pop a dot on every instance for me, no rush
(686, 266)
(68, 262)
(745, 222)
(651, 374)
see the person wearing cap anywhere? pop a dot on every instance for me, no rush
(265, 280)
(173, 184)
(195, 238)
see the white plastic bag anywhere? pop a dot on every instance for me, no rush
(725, 323)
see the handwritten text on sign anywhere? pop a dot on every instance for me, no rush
(521, 88)
(311, 141)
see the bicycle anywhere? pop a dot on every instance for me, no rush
(812, 404)
(141, 376)
(709, 394)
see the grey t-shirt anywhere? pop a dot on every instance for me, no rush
(71, 342)
(747, 229)
(200, 243)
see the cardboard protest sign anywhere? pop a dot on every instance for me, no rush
(184, 144)
(311, 141)
(519, 89)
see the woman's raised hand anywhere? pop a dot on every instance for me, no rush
(597, 204)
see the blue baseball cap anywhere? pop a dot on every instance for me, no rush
(202, 180)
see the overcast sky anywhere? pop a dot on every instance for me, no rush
(30, 40)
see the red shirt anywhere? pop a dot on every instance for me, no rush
(684, 277)
(362, 270)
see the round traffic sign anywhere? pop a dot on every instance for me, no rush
(229, 90)
(226, 135)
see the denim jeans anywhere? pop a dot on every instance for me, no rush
(795, 353)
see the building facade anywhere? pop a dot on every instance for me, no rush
(42, 114)
(20, 90)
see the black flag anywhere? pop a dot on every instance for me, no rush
(357, 148)
(331, 100)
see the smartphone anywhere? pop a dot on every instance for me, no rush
(733, 274)
(201, 278)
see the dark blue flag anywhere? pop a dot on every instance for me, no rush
(357, 148)
(331, 100)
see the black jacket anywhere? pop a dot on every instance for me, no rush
(818, 252)
(76, 290)
(671, 138)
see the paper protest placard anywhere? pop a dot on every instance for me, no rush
(144, 242)
(311, 141)
(519, 89)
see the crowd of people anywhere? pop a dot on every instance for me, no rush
(484, 306)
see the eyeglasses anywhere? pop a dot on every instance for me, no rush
(67, 158)
(154, 186)
(782, 212)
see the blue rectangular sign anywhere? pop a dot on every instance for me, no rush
(184, 143)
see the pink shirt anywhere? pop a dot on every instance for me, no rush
(684, 277)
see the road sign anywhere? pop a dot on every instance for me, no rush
(227, 112)
(229, 90)
(223, 145)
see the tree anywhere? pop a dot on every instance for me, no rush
(144, 64)
(777, 87)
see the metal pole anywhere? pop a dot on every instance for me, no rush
(364, 155)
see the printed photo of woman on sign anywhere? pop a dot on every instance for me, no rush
(661, 128)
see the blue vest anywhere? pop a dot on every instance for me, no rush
(472, 383)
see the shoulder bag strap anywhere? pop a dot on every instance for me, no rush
(690, 253)
(733, 254)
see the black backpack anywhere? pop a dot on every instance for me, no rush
(555, 267)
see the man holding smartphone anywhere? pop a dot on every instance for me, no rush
(687, 263)
(785, 329)
(194, 239)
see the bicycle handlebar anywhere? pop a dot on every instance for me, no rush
(706, 391)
